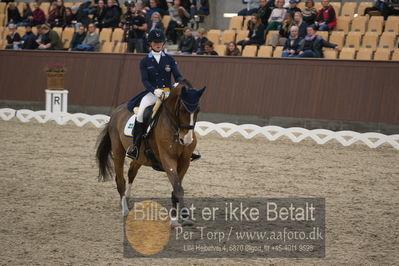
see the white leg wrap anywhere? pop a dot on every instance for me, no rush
(125, 209)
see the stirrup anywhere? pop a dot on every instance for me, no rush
(132, 152)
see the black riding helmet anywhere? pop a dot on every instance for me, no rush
(156, 36)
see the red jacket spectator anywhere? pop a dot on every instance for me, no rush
(327, 15)
(38, 16)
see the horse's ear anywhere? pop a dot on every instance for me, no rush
(201, 91)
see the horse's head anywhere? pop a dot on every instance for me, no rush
(186, 108)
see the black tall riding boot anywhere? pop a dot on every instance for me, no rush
(137, 132)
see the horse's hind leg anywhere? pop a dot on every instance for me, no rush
(133, 169)
(119, 157)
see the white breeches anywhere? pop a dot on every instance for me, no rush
(148, 99)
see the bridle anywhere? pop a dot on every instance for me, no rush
(180, 103)
(176, 118)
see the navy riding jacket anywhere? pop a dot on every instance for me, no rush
(156, 75)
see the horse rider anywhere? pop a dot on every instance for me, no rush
(156, 70)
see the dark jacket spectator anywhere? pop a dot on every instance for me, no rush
(326, 19)
(112, 15)
(13, 37)
(29, 39)
(70, 18)
(60, 14)
(200, 41)
(200, 7)
(152, 8)
(309, 13)
(52, 14)
(100, 12)
(13, 14)
(291, 47)
(256, 33)
(264, 11)
(187, 42)
(82, 14)
(49, 39)
(312, 45)
(38, 16)
(209, 49)
(232, 50)
(26, 14)
(78, 38)
(251, 7)
(293, 8)
(302, 25)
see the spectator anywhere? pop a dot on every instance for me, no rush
(200, 41)
(152, 9)
(78, 38)
(49, 39)
(326, 19)
(91, 42)
(52, 14)
(13, 37)
(99, 14)
(186, 43)
(276, 17)
(293, 8)
(141, 8)
(252, 8)
(279, 39)
(309, 13)
(179, 18)
(26, 15)
(256, 32)
(155, 22)
(379, 5)
(38, 16)
(136, 26)
(208, 49)
(29, 39)
(82, 14)
(60, 13)
(264, 11)
(232, 49)
(112, 15)
(199, 7)
(298, 21)
(392, 10)
(312, 45)
(70, 19)
(291, 47)
(13, 14)
(163, 5)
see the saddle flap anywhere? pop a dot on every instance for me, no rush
(129, 126)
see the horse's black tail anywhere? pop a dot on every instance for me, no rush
(103, 155)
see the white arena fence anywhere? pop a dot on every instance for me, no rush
(272, 133)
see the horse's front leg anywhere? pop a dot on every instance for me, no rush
(170, 166)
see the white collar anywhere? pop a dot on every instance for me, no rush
(152, 53)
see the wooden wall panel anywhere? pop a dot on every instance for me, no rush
(348, 90)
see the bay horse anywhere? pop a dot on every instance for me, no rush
(172, 141)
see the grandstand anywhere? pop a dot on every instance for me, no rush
(355, 31)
